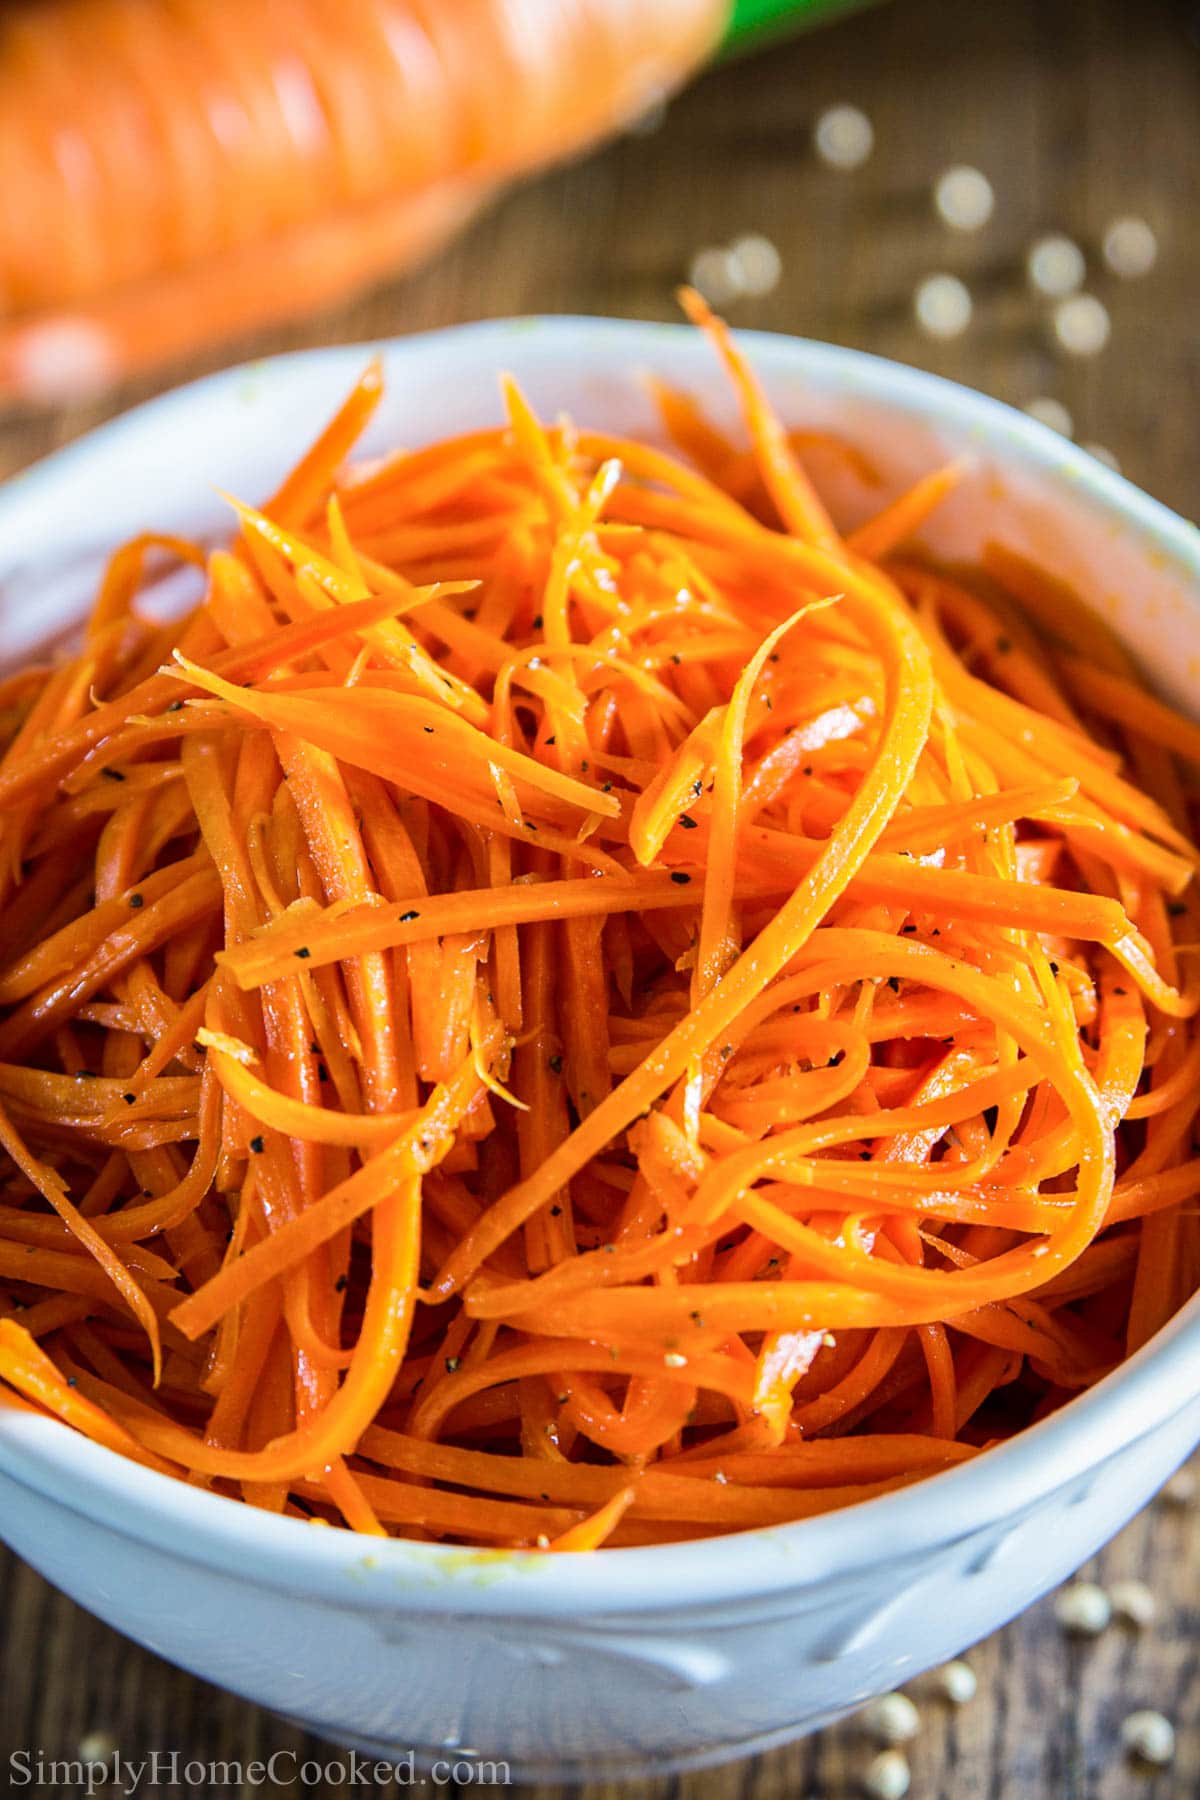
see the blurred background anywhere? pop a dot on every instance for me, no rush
(183, 185)
(1007, 194)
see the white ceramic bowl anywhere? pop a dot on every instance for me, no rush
(672, 1657)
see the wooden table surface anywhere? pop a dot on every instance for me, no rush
(1078, 110)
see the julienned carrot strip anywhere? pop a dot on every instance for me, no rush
(830, 950)
(591, 1532)
(716, 949)
(416, 1147)
(50, 1185)
(297, 1118)
(396, 721)
(1121, 700)
(879, 536)
(338, 931)
(305, 487)
(789, 487)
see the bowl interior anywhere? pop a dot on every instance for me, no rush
(160, 467)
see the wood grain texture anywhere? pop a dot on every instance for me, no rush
(1078, 110)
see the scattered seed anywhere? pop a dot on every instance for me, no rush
(1181, 1489)
(964, 198)
(1082, 325)
(715, 273)
(1102, 455)
(1083, 1609)
(1133, 1602)
(892, 1719)
(942, 306)
(844, 137)
(1130, 248)
(679, 878)
(257, 1145)
(1049, 411)
(97, 1747)
(758, 263)
(957, 1681)
(1149, 1736)
(888, 1776)
(452, 1363)
(1055, 266)
(674, 1360)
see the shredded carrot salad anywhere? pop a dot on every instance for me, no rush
(573, 1000)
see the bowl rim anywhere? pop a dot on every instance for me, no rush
(1000, 1486)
